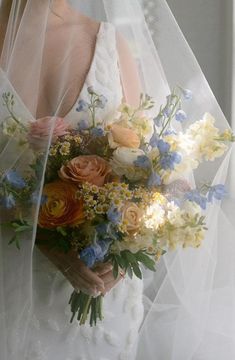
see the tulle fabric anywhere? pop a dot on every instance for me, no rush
(190, 299)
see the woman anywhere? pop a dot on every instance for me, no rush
(51, 53)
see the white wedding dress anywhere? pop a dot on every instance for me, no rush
(52, 337)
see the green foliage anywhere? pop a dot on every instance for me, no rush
(19, 227)
(130, 262)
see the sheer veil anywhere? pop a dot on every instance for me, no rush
(189, 301)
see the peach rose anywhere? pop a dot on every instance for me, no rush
(86, 168)
(40, 130)
(132, 215)
(123, 136)
(62, 207)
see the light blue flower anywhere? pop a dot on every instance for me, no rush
(169, 160)
(35, 197)
(167, 111)
(88, 256)
(142, 162)
(82, 106)
(158, 120)
(154, 140)
(13, 178)
(169, 132)
(217, 192)
(114, 215)
(154, 180)
(188, 95)
(103, 248)
(181, 116)
(163, 146)
(9, 201)
(97, 132)
(95, 253)
(102, 228)
(101, 102)
(197, 197)
(83, 125)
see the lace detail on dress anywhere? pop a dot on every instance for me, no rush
(103, 76)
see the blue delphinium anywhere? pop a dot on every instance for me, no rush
(169, 132)
(154, 180)
(82, 106)
(188, 95)
(97, 132)
(83, 125)
(94, 253)
(114, 215)
(163, 146)
(167, 111)
(101, 102)
(197, 197)
(142, 162)
(14, 179)
(181, 116)
(154, 140)
(88, 256)
(9, 201)
(158, 120)
(169, 160)
(35, 196)
(217, 192)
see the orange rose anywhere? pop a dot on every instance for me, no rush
(123, 136)
(62, 206)
(87, 168)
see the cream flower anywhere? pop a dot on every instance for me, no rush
(123, 163)
(204, 135)
(131, 216)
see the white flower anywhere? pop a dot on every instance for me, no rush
(204, 135)
(123, 163)
(154, 216)
(175, 215)
(192, 209)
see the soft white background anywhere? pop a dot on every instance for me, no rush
(208, 27)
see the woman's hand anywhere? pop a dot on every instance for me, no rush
(105, 272)
(78, 274)
(92, 282)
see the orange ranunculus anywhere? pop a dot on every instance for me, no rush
(86, 168)
(62, 207)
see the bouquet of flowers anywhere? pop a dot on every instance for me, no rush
(117, 192)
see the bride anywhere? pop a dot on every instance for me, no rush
(51, 52)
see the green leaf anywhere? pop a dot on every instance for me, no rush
(61, 230)
(137, 270)
(120, 261)
(130, 272)
(129, 256)
(115, 269)
(23, 228)
(146, 261)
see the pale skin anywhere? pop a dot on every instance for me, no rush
(62, 20)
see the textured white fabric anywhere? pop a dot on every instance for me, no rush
(51, 334)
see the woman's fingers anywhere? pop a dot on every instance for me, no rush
(88, 275)
(103, 268)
